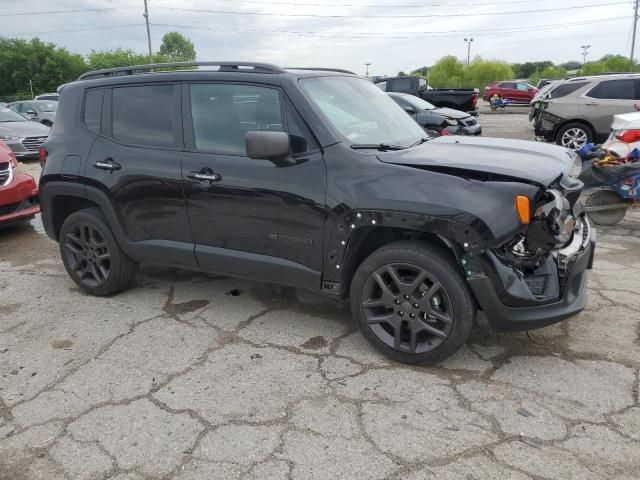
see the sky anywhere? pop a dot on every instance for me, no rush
(392, 35)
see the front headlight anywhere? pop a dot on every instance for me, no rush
(451, 121)
(9, 138)
(576, 168)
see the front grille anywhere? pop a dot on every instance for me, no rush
(9, 208)
(5, 173)
(33, 144)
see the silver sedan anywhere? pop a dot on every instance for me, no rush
(23, 136)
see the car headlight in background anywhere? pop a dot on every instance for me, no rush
(451, 121)
(576, 168)
(9, 138)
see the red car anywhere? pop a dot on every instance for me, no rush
(18, 191)
(515, 92)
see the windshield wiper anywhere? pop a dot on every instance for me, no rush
(419, 142)
(383, 147)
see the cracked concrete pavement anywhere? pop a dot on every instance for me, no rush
(190, 376)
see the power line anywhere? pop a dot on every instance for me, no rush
(391, 35)
(54, 12)
(86, 29)
(449, 15)
(358, 5)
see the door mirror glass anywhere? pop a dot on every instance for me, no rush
(267, 145)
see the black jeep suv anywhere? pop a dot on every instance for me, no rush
(315, 179)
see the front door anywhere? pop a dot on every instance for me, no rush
(136, 161)
(609, 98)
(252, 217)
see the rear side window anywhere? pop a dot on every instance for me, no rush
(506, 85)
(93, 109)
(402, 85)
(565, 89)
(614, 90)
(144, 115)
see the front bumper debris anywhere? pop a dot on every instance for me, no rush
(572, 263)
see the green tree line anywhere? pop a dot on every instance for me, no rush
(45, 66)
(450, 72)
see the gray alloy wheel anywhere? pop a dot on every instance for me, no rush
(407, 308)
(574, 136)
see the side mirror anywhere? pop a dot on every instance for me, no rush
(409, 110)
(267, 145)
(31, 112)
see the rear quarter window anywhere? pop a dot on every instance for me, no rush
(93, 109)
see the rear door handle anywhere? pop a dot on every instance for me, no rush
(107, 164)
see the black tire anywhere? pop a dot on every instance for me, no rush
(601, 198)
(443, 277)
(92, 257)
(574, 135)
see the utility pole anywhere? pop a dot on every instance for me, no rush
(585, 49)
(468, 40)
(633, 40)
(367, 72)
(146, 19)
(31, 88)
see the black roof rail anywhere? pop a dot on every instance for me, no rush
(338, 70)
(223, 67)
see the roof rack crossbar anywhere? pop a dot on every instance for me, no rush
(339, 70)
(223, 66)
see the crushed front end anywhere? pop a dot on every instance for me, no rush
(539, 277)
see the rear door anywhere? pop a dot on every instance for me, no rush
(608, 98)
(507, 90)
(135, 159)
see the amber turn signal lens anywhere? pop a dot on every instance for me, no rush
(524, 211)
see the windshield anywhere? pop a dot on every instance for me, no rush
(7, 115)
(418, 103)
(361, 112)
(47, 106)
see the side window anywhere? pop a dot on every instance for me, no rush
(422, 83)
(614, 90)
(382, 86)
(403, 85)
(565, 89)
(223, 113)
(144, 115)
(93, 109)
(522, 86)
(15, 108)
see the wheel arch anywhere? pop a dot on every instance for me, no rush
(367, 231)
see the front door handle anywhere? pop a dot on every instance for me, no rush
(205, 175)
(107, 164)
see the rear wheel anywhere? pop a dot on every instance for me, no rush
(603, 198)
(574, 136)
(411, 302)
(91, 255)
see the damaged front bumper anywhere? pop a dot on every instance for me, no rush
(507, 299)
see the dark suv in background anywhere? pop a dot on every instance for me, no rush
(315, 179)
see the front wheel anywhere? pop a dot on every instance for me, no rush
(411, 302)
(574, 136)
(92, 257)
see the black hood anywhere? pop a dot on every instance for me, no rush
(540, 163)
